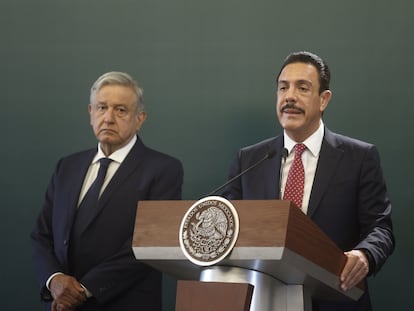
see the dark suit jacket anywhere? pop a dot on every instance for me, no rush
(348, 199)
(106, 265)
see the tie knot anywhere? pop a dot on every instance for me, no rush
(299, 148)
(105, 162)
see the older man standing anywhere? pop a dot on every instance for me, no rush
(83, 236)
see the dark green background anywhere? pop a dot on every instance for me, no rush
(208, 70)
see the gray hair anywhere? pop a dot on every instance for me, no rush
(119, 78)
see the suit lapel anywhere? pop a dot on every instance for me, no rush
(262, 182)
(80, 173)
(329, 158)
(127, 167)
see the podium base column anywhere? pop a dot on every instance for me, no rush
(269, 294)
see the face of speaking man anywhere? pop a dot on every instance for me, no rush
(299, 104)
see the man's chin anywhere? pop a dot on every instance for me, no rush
(291, 122)
(107, 138)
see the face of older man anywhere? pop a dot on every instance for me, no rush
(114, 117)
(299, 104)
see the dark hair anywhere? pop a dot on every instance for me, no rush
(314, 60)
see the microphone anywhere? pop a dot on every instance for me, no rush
(268, 155)
(283, 157)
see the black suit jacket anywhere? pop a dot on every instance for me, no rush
(105, 264)
(348, 201)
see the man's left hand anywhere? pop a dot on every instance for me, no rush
(355, 270)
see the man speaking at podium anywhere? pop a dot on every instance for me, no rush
(82, 241)
(336, 180)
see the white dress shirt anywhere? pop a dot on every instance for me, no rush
(309, 158)
(117, 158)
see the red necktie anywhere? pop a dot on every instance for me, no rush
(296, 178)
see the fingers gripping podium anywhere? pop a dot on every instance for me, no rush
(279, 251)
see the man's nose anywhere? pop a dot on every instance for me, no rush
(290, 95)
(109, 115)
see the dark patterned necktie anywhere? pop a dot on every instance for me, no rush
(89, 204)
(296, 178)
(85, 213)
(90, 200)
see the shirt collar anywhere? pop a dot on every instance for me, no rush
(117, 156)
(313, 143)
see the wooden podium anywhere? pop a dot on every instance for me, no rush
(279, 250)
(208, 296)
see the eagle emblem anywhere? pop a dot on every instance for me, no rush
(209, 230)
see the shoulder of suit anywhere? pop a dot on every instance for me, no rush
(160, 156)
(141, 148)
(80, 154)
(264, 144)
(341, 139)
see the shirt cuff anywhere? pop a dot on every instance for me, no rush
(50, 279)
(87, 292)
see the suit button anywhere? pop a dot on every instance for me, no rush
(65, 242)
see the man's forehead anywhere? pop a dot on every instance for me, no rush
(121, 92)
(299, 72)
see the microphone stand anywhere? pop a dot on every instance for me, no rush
(269, 155)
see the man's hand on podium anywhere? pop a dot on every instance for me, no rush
(355, 270)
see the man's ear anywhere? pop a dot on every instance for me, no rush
(141, 117)
(325, 97)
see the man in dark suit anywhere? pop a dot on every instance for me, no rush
(82, 250)
(344, 191)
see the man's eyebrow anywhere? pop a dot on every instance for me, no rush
(303, 81)
(300, 81)
(282, 83)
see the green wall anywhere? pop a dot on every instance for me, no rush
(208, 70)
